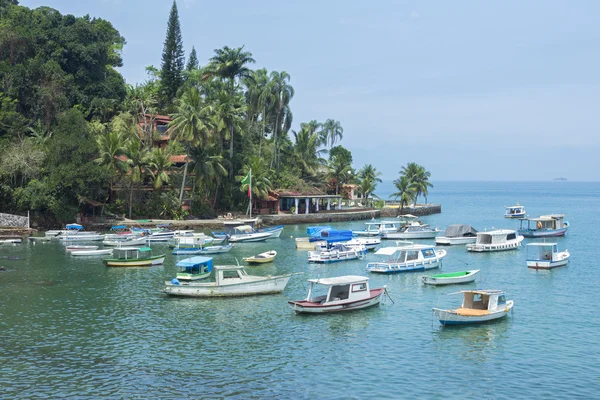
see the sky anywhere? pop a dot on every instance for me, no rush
(472, 90)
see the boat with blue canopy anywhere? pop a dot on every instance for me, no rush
(194, 268)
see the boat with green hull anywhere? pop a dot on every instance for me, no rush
(133, 257)
(451, 278)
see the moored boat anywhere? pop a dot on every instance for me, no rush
(516, 211)
(457, 234)
(497, 240)
(133, 257)
(378, 228)
(194, 268)
(544, 226)
(335, 253)
(11, 241)
(450, 278)
(125, 241)
(245, 233)
(407, 257)
(203, 250)
(74, 247)
(370, 242)
(229, 281)
(477, 306)
(342, 293)
(545, 256)
(275, 231)
(261, 258)
(101, 252)
(415, 230)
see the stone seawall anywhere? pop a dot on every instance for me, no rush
(13, 221)
(282, 219)
(419, 210)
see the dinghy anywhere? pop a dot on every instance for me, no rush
(451, 278)
(101, 252)
(262, 258)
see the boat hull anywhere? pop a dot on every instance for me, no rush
(561, 260)
(102, 252)
(450, 317)
(274, 231)
(483, 248)
(449, 241)
(308, 307)
(330, 257)
(396, 268)
(537, 233)
(439, 280)
(145, 262)
(270, 285)
(203, 250)
(409, 235)
(252, 237)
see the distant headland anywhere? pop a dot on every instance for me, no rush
(559, 179)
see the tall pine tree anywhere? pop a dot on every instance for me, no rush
(173, 59)
(192, 61)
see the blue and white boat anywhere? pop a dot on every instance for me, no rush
(544, 226)
(517, 211)
(203, 250)
(378, 228)
(275, 231)
(477, 306)
(407, 257)
(336, 252)
(194, 268)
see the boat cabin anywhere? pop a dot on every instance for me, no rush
(545, 222)
(496, 237)
(514, 211)
(408, 252)
(187, 242)
(542, 252)
(382, 226)
(338, 289)
(482, 301)
(131, 253)
(194, 268)
(243, 229)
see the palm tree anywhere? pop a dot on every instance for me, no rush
(209, 168)
(280, 92)
(307, 151)
(369, 177)
(405, 192)
(230, 64)
(421, 182)
(332, 131)
(159, 166)
(136, 162)
(111, 146)
(340, 170)
(229, 110)
(261, 184)
(191, 125)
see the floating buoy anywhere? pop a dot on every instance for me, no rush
(291, 237)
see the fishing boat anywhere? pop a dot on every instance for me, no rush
(517, 211)
(81, 237)
(544, 226)
(245, 233)
(477, 306)
(497, 240)
(194, 269)
(407, 257)
(11, 241)
(406, 218)
(70, 229)
(203, 250)
(160, 236)
(415, 230)
(101, 252)
(457, 234)
(125, 241)
(340, 293)
(378, 228)
(74, 247)
(450, 278)
(133, 257)
(189, 242)
(275, 231)
(336, 252)
(261, 258)
(229, 281)
(545, 256)
(369, 242)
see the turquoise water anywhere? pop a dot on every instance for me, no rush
(74, 328)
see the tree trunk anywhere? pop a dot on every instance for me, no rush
(275, 139)
(183, 181)
(231, 153)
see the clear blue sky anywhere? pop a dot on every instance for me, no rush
(472, 90)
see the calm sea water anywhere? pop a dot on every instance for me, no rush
(74, 328)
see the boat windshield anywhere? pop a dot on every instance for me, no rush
(339, 292)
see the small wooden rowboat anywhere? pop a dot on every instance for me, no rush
(265, 257)
(451, 278)
(101, 252)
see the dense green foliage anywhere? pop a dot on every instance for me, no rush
(75, 137)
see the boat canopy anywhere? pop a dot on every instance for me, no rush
(387, 251)
(460, 230)
(315, 231)
(118, 227)
(74, 226)
(333, 235)
(244, 229)
(340, 280)
(496, 237)
(193, 261)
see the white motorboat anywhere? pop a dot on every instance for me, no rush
(378, 228)
(370, 242)
(81, 237)
(341, 293)
(275, 231)
(457, 234)
(70, 229)
(203, 250)
(336, 252)
(517, 211)
(545, 256)
(407, 257)
(415, 230)
(75, 247)
(450, 278)
(497, 240)
(126, 241)
(10, 241)
(230, 280)
(477, 306)
(245, 233)
(101, 252)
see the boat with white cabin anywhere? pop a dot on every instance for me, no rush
(544, 226)
(336, 252)
(369, 242)
(229, 281)
(450, 278)
(457, 234)
(126, 241)
(545, 256)
(337, 294)
(496, 240)
(477, 306)
(245, 233)
(407, 257)
(378, 228)
(415, 230)
(517, 211)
